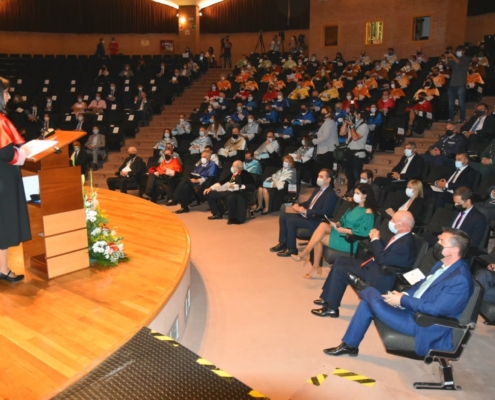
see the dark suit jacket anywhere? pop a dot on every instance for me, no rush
(138, 167)
(244, 178)
(466, 178)
(473, 224)
(414, 170)
(81, 160)
(325, 205)
(447, 296)
(399, 199)
(488, 130)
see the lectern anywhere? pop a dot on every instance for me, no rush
(59, 243)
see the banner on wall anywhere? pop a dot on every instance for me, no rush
(167, 46)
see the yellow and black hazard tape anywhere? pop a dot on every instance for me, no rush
(164, 338)
(351, 376)
(317, 380)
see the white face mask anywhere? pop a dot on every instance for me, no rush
(320, 182)
(392, 85)
(203, 160)
(285, 164)
(409, 192)
(360, 85)
(373, 109)
(201, 133)
(210, 109)
(458, 164)
(363, 180)
(77, 148)
(270, 139)
(357, 198)
(250, 98)
(97, 98)
(79, 100)
(391, 227)
(303, 142)
(408, 152)
(46, 119)
(181, 120)
(239, 108)
(250, 120)
(167, 135)
(458, 53)
(349, 97)
(232, 170)
(80, 118)
(280, 97)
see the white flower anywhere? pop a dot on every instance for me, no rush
(114, 232)
(121, 246)
(96, 232)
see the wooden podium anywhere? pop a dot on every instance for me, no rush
(59, 243)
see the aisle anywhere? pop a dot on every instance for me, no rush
(251, 316)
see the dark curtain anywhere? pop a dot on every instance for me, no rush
(87, 16)
(232, 16)
(479, 7)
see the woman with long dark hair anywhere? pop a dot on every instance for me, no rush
(14, 218)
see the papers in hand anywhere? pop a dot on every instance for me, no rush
(414, 276)
(35, 147)
(126, 169)
(436, 189)
(169, 172)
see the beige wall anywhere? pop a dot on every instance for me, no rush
(479, 26)
(352, 15)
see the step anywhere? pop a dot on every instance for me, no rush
(141, 144)
(378, 169)
(386, 159)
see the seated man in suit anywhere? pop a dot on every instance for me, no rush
(113, 95)
(486, 278)
(202, 177)
(129, 172)
(487, 207)
(308, 214)
(487, 164)
(80, 123)
(444, 151)
(480, 129)
(467, 218)
(442, 189)
(366, 176)
(78, 157)
(400, 251)
(96, 146)
(47, 123)
(166, 176)
(229, 191)
(409, 167)
(98, 105)
(141, 107)
(444, 293)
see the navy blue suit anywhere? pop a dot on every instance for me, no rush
(289, 223)
(447, 297)
(474, 225)
(400, 253)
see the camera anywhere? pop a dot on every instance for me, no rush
(447, 52)
(301, 38)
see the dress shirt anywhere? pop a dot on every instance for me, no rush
(463, 216)
(407, 163)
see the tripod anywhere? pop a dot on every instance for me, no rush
(260, 43)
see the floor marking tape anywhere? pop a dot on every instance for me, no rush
(317, 380)
(351, 376)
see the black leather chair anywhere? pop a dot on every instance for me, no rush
(403, 345)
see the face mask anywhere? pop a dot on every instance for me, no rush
(373, 110)
(378, 67)
(392, 85)
(421, 99)
(360, 85)
(97, 98)
(232, 170)
(458, 164)
(449, 132)
(77, 148)
(140, 89)
(79, 100)
(303, 110)
(203, 160)
(363, 180)
(357, 198)
(210, 109)
(181, 120)
(320, 182)
(112, 87)
(46, 119)
(132, 155)
(235, 137)
(95, 132)
(213, 88)
(250, 98)
(313, 58)
(239, 108)
(348, 97)
(35, 108)
(201, 133)
(48, 101)
(250, 120)
(303, 142)
(458, 53)
(280, 97)
(437, 251)
(480, 113)
(391, 227)
(80, 118)
(247, 161)
(299, 87)
(166, 135)
(459, 207)
(440, 67)
(409, 192)
(168, 157)
(127, 68)
(285, 164)
(337, 110)
(408, 152)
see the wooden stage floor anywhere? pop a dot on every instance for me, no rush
(53, 332)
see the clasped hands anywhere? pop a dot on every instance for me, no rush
(393, 298)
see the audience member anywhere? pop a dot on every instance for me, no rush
(78, 157)
(252, 165)
(164, 178)
(270, 148)
(96, 147)
(410, 200)
(459, 64)
(129, 172)
(97, 105)
(443, 152)
(183, 127)
(198, 145)
(233, 148)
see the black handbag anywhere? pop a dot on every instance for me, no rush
(339, 153)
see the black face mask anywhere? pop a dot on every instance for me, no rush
(235, 137)
(437, 252)
(168, 157)
(248, 161)
(449, 132)
(132, 155)
(303, 110)
(480, 113)
(460, 207)
(421, 98)
(435, 74)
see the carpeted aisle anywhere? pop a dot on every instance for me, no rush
(250, 315)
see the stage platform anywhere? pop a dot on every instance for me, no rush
(52, 333)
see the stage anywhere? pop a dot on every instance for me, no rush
(54, 332)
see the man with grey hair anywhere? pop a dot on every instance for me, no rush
(443, 293)
(228, 194)
(129, 172)
(400, 251)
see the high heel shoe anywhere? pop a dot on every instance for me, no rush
(299, 258)
(313, 273)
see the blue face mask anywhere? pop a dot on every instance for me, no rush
(458, 164)
(391, 227)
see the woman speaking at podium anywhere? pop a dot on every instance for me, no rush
(14, 218)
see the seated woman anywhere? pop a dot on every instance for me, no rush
(357, 220)
(329, 93)
(395, 90)
(430, 89)
(251, 85)
(304, 158)
(207, 115)
(215, 130)
(275, 187)
(167, 138)
(412, 200)
(80, 106)
(213, 94)
(346, 104)
(322, 75)
(224, 84)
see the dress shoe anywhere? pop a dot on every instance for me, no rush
(233, 222)
(182, 210)
(265, 213)
(320, 302)
(326, 312)
(9, 277)
(356, 282)
(342, 349)
(216, 216)
(95, 167)
(170, 203)
(286, 253)
(278, 247)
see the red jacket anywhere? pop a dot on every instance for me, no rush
(390, 104)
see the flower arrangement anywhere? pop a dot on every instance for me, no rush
(104, 244)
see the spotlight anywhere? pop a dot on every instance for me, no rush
(200, 14)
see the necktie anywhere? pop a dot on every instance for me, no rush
(404, 168)
(454, 176)
(459, 220)
(473, 128)
(315, 199)
(79, 126)
(427, 283)
(372, 258)
(74, 156)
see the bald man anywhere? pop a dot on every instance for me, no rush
(399, 251)
(228, 193)
(129, 172)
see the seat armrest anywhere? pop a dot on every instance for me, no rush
(354, 238)
(393, 270)
(425, 321)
